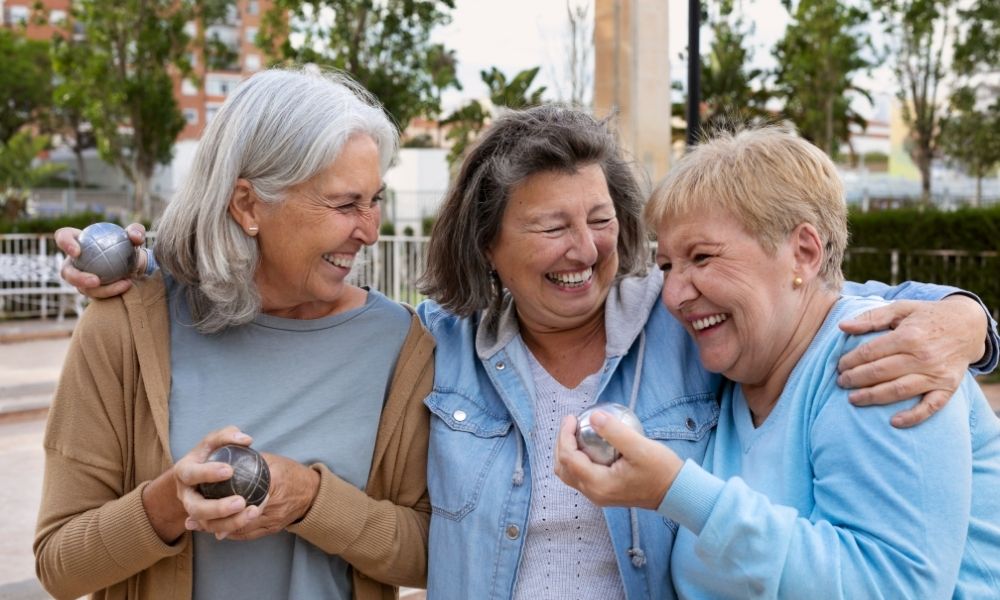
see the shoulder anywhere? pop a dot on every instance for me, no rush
(389, 313)
(440, 321)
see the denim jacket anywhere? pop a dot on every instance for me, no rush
(479, 473)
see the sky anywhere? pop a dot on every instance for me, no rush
(519, 34)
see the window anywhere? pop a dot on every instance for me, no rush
(57, 16)
(191, 116)
(188, 88)
(251, 34)
(253, 7)
(252, 62)
(19, 14)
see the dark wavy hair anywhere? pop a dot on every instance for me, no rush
(518, 145)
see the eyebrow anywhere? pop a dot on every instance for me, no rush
(352, 195)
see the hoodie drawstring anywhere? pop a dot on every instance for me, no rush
(636, 552)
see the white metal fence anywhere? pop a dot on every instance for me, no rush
(30, 285)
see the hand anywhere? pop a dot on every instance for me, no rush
(222, 516)
(927, 352)
(88, 284)
(293, 488)
(641, 477)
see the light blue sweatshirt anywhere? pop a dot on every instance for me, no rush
(825, 500)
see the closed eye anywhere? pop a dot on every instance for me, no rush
(665, 267)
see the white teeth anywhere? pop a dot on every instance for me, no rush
(572, 278)
(339, 260)
(708, 321)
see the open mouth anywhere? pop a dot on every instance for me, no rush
(344, 261)
(708, 322)
(572, 279)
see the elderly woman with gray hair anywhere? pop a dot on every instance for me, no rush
(251, 326)
(799, 495)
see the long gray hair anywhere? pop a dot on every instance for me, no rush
(279, 128)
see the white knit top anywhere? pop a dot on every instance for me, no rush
(567, 549)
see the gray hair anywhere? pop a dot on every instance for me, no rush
(278, 129)
(518, 145)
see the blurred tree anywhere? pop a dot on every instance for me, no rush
(971, 136)
(121, 77)
(69, 101)
(467, 121)
(977, 48)
(818, 59)
(25, 81)
(384, 45)
(733, 93)
(919, 32)
(18, 173)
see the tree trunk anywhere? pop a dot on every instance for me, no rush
(979, 190)
(81, 167)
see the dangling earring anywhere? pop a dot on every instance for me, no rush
(797, 282)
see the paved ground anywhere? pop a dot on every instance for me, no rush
(31, 355)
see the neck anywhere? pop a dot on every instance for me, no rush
(569, 355)
(351, 298)
(763, 395)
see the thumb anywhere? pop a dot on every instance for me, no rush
(625, 439)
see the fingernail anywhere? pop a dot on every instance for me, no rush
(221, 536)
(253, 512)
(190, 524)
(223, 471)
(599, 418)
(241, 437)
(841, 381)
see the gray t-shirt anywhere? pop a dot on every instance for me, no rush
(310, 390)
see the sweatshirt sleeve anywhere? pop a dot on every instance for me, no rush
(92, 531)
(891, 510)
(914, 290)
(384, 537)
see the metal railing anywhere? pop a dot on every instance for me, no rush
(394, 264)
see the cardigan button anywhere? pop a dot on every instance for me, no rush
(513, 531)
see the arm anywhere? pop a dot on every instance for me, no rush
(93, 530)
(927, 352)
(891, 506)
(384, 536)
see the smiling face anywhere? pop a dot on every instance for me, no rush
(736, 300)
(557, 248)
(308, 241)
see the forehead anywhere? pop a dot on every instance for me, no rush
(550, 192)
(703, 224)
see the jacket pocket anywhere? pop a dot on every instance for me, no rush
(684, 423)
(465, 440)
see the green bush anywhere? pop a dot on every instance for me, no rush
(50, 224)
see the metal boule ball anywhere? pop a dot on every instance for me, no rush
(593, 445)
(105, 251)
(251, 477)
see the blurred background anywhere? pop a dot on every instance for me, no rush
(102, 103)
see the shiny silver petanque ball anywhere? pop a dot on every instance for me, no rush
(105, 251)
(593, 445)
(251, 477)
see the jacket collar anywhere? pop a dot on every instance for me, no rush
(625, 313)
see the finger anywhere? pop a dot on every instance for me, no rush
(190, 472)
(136, 233)
(566, 441)
(896, 342)
(878, 319)
(66, 240)
(218, 438)
(928, 405)
(206, 511)
(901, 388)
(625, 439)
(109, 291)
(81, 280)
(876, 372)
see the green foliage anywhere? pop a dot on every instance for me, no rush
(733, 93)
(918, 31)
(971, 135)
(468, 121)
(387, 228)
(912, 231)
(384, 45)
(17, 173)
(978, 49)
(25, 81)
(121, 77)
(818, 59)
(50, 224)
(427, 225)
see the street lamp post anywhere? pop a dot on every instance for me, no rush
(694, 73)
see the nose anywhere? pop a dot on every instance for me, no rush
(366, 225)
(677, 290)
(584, 246)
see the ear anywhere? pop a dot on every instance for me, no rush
(244, 207)
(807, 251)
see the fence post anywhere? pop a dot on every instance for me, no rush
(894, 271)
(397, 275)
(41, 261)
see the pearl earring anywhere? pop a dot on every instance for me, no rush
(797, 282)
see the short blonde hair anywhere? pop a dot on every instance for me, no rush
(771, 180)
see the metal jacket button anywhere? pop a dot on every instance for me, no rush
(501, 366)
(513, 531)
(691, 424)
(459, 415)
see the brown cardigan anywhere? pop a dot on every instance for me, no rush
(107, 438)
